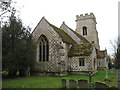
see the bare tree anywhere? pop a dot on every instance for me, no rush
(114, 46)
(116, 55)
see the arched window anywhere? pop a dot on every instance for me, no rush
(81, 61)
(43, 48)
(84, 30)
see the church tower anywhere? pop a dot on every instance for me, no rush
(86, 26)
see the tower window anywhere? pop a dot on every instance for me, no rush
(84, 30)
(43, 48)
(81, 62)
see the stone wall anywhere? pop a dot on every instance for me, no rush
(93, 57)
(74, 64)
(90, 63)
(102, 63)
(57, 49)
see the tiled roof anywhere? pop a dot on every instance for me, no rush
(81, 50)
(100, 54)
(66, 38)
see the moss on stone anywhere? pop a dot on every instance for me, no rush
(80, 49)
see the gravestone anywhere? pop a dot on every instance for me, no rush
(113, 88)
(27, 74)
(113, 71)
(83, 84)
(64, 83)
(100, 85)
(72, 83)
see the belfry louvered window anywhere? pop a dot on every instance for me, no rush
(84, 30)
(43, 48)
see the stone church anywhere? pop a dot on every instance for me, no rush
(62, 51)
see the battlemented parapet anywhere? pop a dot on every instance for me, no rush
(86, 16)
(86, 26)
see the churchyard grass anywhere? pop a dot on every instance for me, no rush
(55, 82)
(112, 76)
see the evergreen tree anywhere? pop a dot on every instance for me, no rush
(18, 47)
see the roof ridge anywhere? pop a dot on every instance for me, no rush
(39, 23)
(62, 33)
(77, 34)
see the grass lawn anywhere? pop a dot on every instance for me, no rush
(55, 82)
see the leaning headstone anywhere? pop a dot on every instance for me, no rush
(27, 72)
(100, 85)
(64, 83)
(72, 83)
(83, 84)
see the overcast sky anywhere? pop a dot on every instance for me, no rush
(57, 11)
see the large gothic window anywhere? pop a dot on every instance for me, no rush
(84, 31)
(43, 48)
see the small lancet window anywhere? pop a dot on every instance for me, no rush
(84, 30)
(81, 61)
